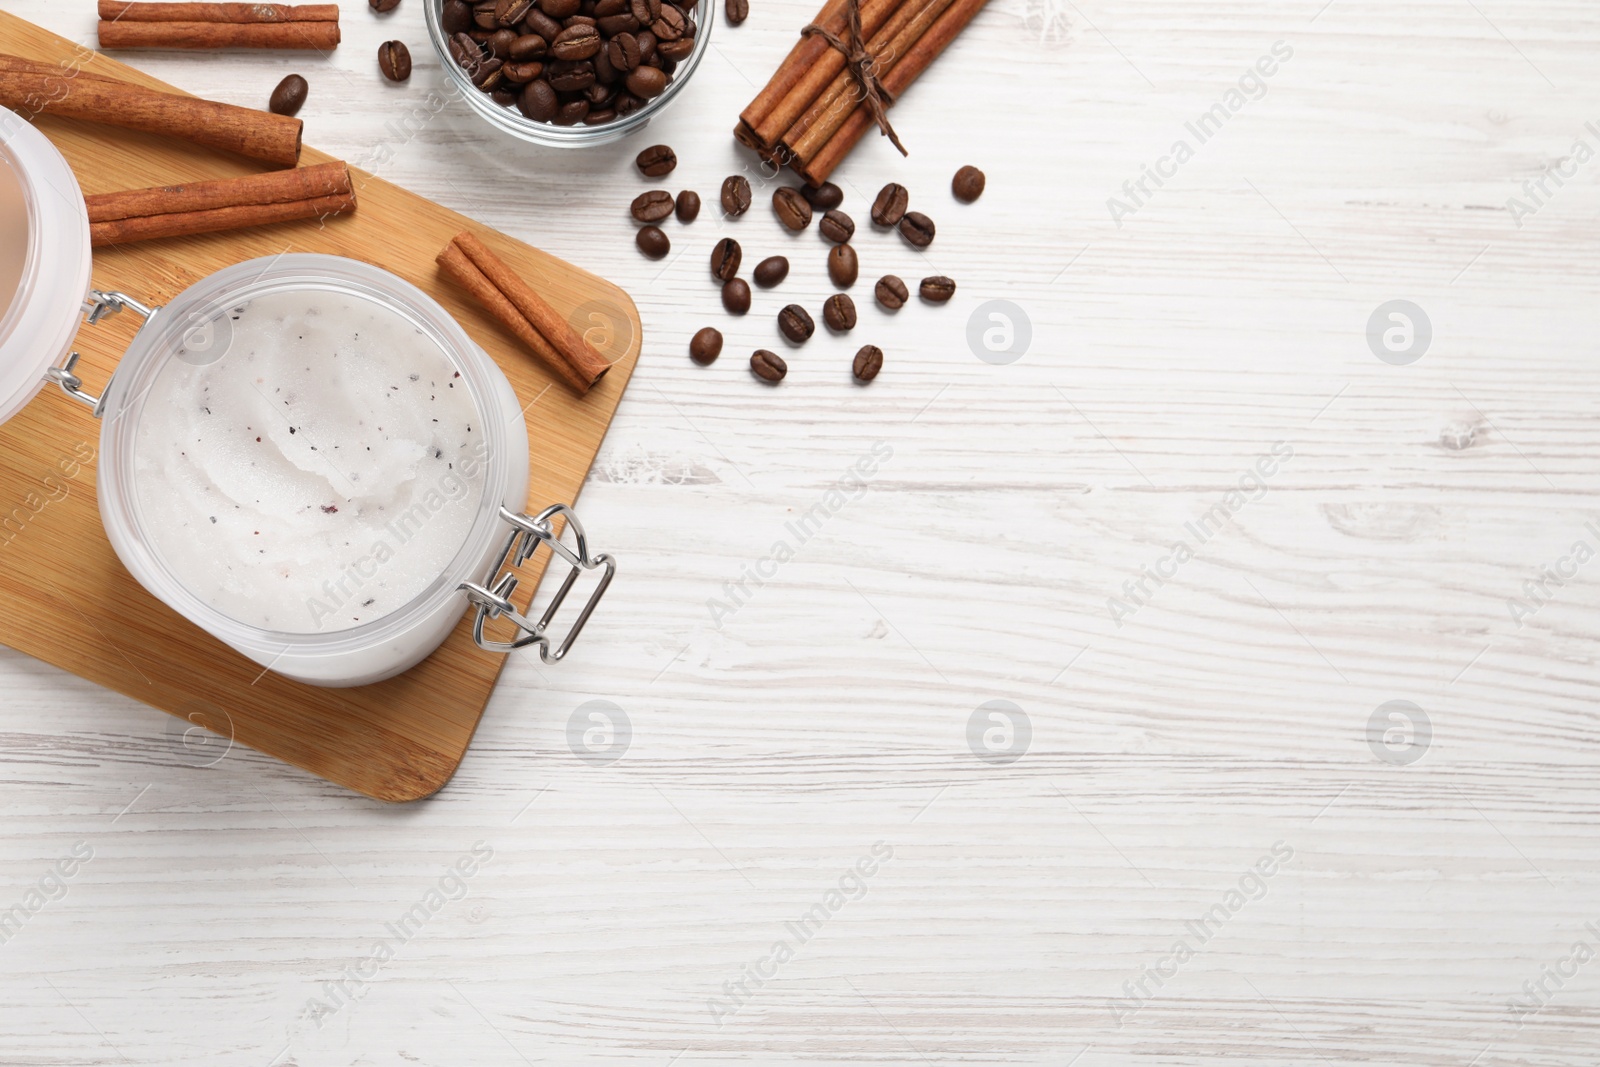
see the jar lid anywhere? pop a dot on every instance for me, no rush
(44, 260)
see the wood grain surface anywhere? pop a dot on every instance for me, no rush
(831, 710)
(65, 597)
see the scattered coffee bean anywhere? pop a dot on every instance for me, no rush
(917, 229)
(890, 206)
(738, 11)
(791, 208)
(843, 266)
(824, 197)
(968, 184)
(837, 227)
(796, 324)
(736, 195)
(891, 293)
(736, 296)
(706, 346)
(653, 242)
(456, 17)
(937, 289)
(839, 313)
(289, 97)
(868, 362)
(688, 205)
(725, 258)
(771, 271)
(656, 161)
(383, 6)
(653, 206)
(768, 366)
(394, 59)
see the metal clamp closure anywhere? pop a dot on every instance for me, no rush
(96, 307)
(494, 600)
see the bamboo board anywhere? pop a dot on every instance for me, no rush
(66, 599)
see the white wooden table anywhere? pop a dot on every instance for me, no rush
(1216, 723)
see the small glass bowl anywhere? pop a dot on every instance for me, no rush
(514, 122)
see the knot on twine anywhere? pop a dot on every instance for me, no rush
(862, 66)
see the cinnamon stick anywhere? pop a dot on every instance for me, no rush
(124, 10)
(212, 206)
(320, 36)
(256, 134)
(815, 78)
(805, 52)
(944, 30)
(521, 310)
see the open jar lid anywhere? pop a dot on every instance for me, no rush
(44, 260)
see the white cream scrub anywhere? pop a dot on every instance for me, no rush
(321, 473)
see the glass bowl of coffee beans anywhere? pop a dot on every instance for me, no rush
(570, 73)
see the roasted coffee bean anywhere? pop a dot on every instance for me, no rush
(576, 42)
(483, 17)
(738, 11)
(542, 25)
(574, 20)
(646, 11)
(538, 101)
(511, 12)
(605, 8)
(488, 75)
(528, 46)
(736, 195)
(500, 42)
(465, 51)
(623, 52)
(770, 271)
(599, 118)
(652, 242)
(599, 95)
(626, 103)
(652, 206)
(559, 9)
(656, 161)
(917, 229)
(868, 362)
(768, 366)
(725, 258)
(572, 113)
(504, 96)
(839, 313)
(394, 59)
(383, 6)
(968, 184)
(791, 208)
(289, 97)
(706, 346)
(688, 206)
(843, 266)
(837, 227)
(736, 296)
(796, 324)
(824, 197)
(891, 293)
(937, 289)
(890, 206)
(647, 46)
(646, 82)
(570, 75)
(456, 17)
(604, 71)
(675, 52)
(612, 25)
(671, 24)
(522, 73)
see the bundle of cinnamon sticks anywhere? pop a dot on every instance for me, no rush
(815, 109)
(126, 24)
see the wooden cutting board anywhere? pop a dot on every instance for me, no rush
(64, 596)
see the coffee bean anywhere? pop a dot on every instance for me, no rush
(503, 96)
(599, 118)
(656, 161)
(688, 206)
(576, 42)
(736, 195)
(572, 113)
(488, 75)
(770, 271)
(646, 11)
(465, 51)
(500, 42)
(560, 9)
(646, 82)
(570, 75)
(542, 25)
(725, 258)
(738, 11)
(511, 12)
(289, 97)
(652, 206)
(736, 296)
(647, 46)
(968, 184)
(671, 24)
(868, 362)
(837, 227)
(612, 25)
(394, 59)
(839, 313)
(791, 208)
(890, 206)
(483, 17)
(383, 7)
(917, 229)
(676, 51)
(706, 346)
(937, 289)
(824, 197)
(768, 366)
(843, 266)
(891, 293)
(522, 73)
(528, 46)
(622, 51)
(604, 8)
(652, 242)
(539, 102)
(796, 324)
(456, 17)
